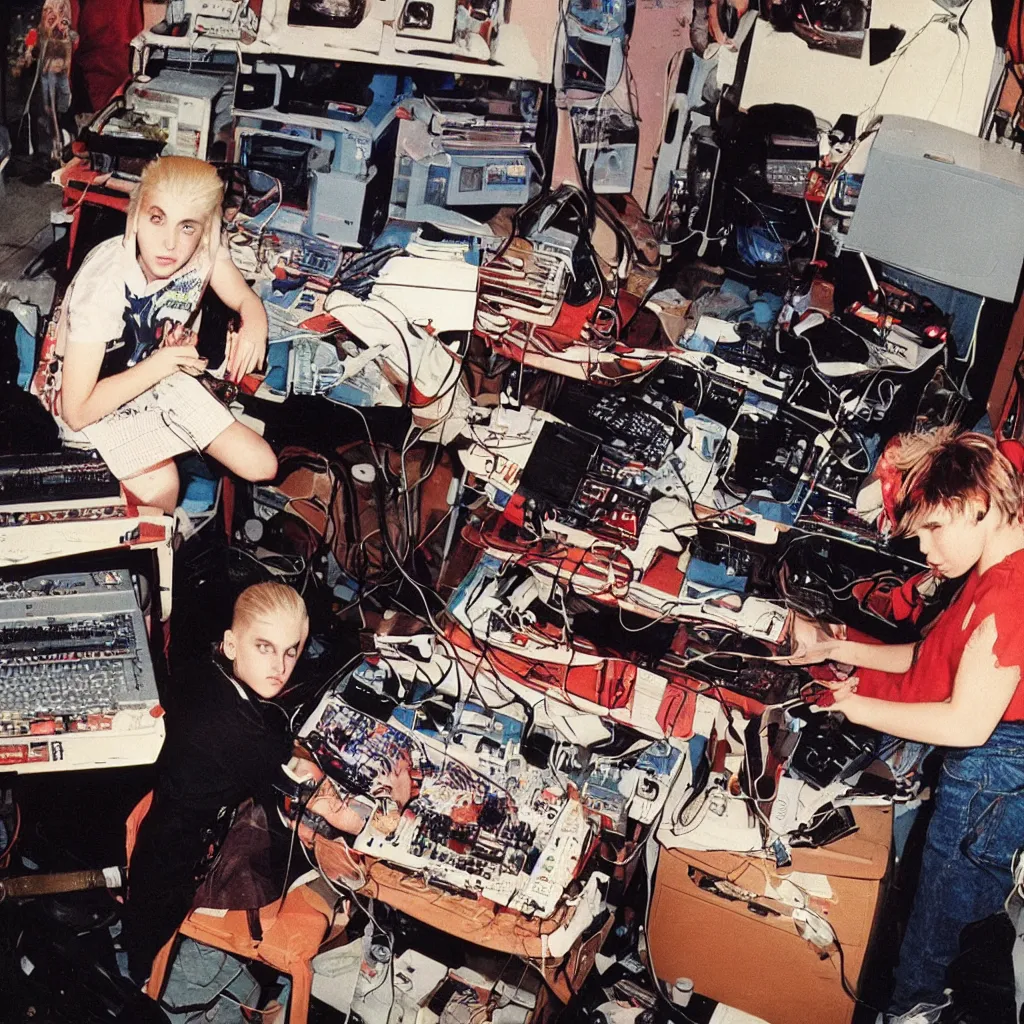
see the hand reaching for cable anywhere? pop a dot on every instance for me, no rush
(811, 641)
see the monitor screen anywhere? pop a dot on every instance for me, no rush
(326, 13)
(288, 160)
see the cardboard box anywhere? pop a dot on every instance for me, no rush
(760, 964)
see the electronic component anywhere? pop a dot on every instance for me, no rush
(336, 169)
(791, 158)
(77, 688)
(556, 484)
(606, 147)
(56, 476)
(772, 385)
(190, 109)
(458, 28)
(727, 660)
(626, 422)
(595, 43)
(217, 19)
(454, 157)
(480, 820)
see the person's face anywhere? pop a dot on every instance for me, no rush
(263, 651)
(952, 541)
(169, 232)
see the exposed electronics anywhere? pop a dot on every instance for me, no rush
(727, 660)
(791, 158)
(481, 821)
(449, 163)
(606, 146)
(190, 108)
(925, 185)
(290, 158)
(459, 28)
(567, 479)
(770, 381)
(337, 168)
(227, 19)
(77, 688)
(57, 476)
(218, 19)
(595, 44)
(638, 429)
(306, 255)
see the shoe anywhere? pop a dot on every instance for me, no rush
(921, 1013)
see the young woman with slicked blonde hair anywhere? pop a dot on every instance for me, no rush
(119, 362)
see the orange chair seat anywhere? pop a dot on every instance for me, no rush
(293, 930)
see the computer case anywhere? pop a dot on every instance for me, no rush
(943, 204)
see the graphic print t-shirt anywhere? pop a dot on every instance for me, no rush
(111, 302)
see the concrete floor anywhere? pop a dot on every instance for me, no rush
(25, 230)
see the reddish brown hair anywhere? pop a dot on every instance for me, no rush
(943, 469)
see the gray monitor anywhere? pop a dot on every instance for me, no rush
(943, 204)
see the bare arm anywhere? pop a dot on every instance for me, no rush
(247, 347)
(814, 643)
(981, 692)
(84, 398)
(883, 657)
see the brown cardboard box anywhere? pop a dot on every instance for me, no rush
(760, 964)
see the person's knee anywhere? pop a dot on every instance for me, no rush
(243, 452)
(158, 487)
(261, 464)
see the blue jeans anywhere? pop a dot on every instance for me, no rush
(977, 825)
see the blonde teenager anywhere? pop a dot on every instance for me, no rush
(227, 738)
(119, 363)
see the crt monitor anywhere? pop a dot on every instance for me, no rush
(290, 160)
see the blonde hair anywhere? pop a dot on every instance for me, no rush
(944, 469)
(188, 179)
(267, 600)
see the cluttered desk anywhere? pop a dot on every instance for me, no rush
(578, 478)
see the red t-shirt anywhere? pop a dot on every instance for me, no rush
(998, 592)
